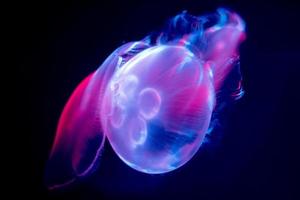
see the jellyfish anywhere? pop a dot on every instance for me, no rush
(152, 99)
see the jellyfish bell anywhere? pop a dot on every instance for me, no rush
(165, 115)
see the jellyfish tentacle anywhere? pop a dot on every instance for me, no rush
(79, 136)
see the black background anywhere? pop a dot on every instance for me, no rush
(61, 42)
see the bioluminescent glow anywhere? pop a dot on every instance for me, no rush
(153, 99)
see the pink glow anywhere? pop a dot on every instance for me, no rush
(79, 136)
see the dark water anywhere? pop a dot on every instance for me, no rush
(251, 157)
